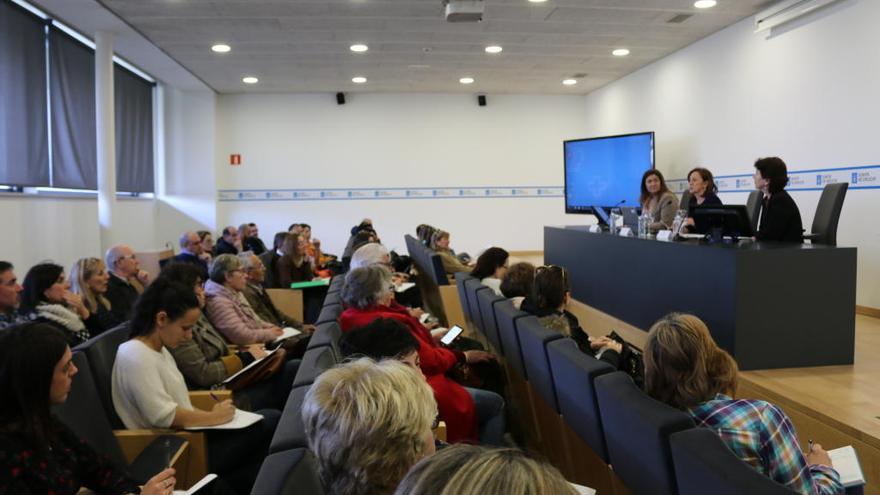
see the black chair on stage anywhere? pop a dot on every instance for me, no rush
(753, 208)
(824, 229)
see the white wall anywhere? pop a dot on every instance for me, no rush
(398, 140)
(808, 94)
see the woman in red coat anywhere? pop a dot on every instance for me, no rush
(369, 295)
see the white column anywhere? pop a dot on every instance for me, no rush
(106, 135)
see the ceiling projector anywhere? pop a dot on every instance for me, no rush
(464, 10)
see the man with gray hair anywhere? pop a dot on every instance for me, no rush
(191, 252)
(127, 280)
(259, 299)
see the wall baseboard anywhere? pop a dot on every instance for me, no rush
(868, 311)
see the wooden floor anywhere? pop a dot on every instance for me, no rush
(831, 405)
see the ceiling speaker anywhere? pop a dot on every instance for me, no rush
(340, 98)
(481, 100)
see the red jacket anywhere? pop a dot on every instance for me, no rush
(454, 402)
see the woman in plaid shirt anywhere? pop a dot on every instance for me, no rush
(687, 370)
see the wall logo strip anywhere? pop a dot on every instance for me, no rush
(471, 192)
(866, 177)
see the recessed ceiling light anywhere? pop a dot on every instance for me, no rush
(620, 52)
(359, 48)
(494, 49)
(359, 79)
(466, 80)
(221, 48)
(250, 80)
(569, 82)
(537, 1)
(705, 4)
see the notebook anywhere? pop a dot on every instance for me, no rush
(198, 486)
(288, 333)
(241, 420)
(250, 366)
(582, 490)
(846, 462)
(321, 282)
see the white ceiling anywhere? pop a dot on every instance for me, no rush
(303, 45)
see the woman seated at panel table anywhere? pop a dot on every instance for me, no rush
(703, 191)
(779, 219)
(38, 453)
(658, 201)
(149, 391)
(686, 369)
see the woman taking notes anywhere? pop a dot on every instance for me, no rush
(780, 219)
(658, 201)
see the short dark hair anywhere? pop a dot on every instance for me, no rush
(551, 284)
(645, 194)
(362, 238)
(382, 338)
(305, 226)
(5, 265)
(28, 356)
(292, 226)
(186, 274)
(706, 175)
(489, 261)
(774, 170)
(202, 234)
(519, 280)
(174, 298)
(39, 278)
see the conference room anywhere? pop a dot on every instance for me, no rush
(533, 126)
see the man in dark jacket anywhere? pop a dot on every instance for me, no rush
(229, 242)
(250, 238)
(191, 252)
(127, 280)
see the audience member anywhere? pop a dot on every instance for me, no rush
(257, 296)
(39, 454)
(779, 218)
(313, 250)
(491, 267)
(657, 200)
(440, 245)
(365, 227)
(46, 297)
(89, 280)
(295, 228)
(191, 251)
(206, 360)
(518, 282)
(10, 297)
(249, 235)
(149, 391)
(207, 245)
(229, 242)
(228, 309)
(686, 369)
(270, 261)
(377, 254)
(293, 266)
(383, 338)
(367, 423)
(479, 470)
(368, 295)
(127, 280)
(424, 232)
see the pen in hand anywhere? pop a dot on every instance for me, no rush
(810, 451)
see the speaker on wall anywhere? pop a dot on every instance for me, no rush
(481, 100)
(340, 98)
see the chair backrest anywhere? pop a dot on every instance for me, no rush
(533, 340)
(84, 414)
(329, 313)
(291, 431)
(753, 208)
(427, 261)
(472, 287)
(685, 199)
(828, 213)
(314, 362)
(574, 375)
(487, 300)
(292, 472)
(334, 298)
(460, 280)
(288, 301)
(326, 334)
(637, 430)
(508, 317)
(101, 354)
(702, 460)
(336, 283)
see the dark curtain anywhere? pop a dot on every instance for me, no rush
(72, 105)
(134, 132)
(24, 139)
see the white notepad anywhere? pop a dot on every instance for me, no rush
(582, 490)
(846, 462)
(198, 486)
(242, 419)
(405, 286)
(288, 333)
(254, 363)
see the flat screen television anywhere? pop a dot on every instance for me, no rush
(605, 172)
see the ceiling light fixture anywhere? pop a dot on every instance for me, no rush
(494, 49)
(250, 80)
(537, 1)
(358, 79)
(620, 52)
(359, 48)
(705, 4)
(221, 48)
(466, 80)
(569, 82)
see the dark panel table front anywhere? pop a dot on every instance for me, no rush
(771, 305)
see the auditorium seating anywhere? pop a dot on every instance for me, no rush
(326, 334)
(486, 300)
(329, 313)
(291, 472)
(314, 362)
(291, 432)
(824, 229)
(439, 297)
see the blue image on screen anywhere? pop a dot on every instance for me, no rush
(605, 171)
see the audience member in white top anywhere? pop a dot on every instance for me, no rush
(491, 267)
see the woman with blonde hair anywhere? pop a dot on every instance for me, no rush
(471, 469)
(89, 280)
(686, 369)
(367, 423)
(440, 245)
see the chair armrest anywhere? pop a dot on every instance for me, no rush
(440, 431)
(811, 237)
(191, 465)
(201, 399)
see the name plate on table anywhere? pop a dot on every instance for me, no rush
(625, 232)
(595, 228)
(665, 235)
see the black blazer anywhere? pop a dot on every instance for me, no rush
(121, 296)
(254, 244)
(710, 199)
(780, 219)
(195, 260)
(223, 247)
